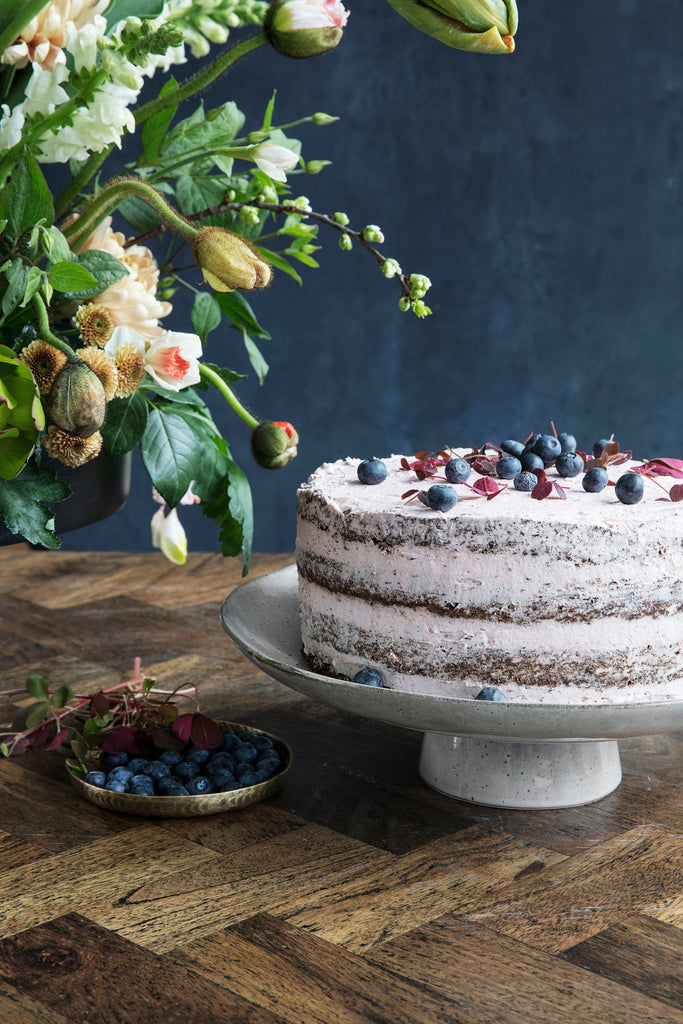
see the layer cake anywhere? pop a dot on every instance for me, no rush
(549, 600)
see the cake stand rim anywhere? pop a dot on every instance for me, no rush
(510, 720)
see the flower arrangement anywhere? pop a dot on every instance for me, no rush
(86, 363)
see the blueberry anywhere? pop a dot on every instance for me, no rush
(508, 467)
(96, 778)
(548, 447)
(271, 765)
(525, 482)
(629, 488)
(491, 693)
(441, 497)
(599, 447)
(262, 775)
(263, 743)
(186, 770)
(569, 464)
(595, 479)
(110, 761)
(199, 785)
(368, 677)
(222, 778)
(115, 786)
(137, 764)
(230, 740)
(245, 752)
(170, 757)
(531, 461)
(567, 442)
(243, 768)
(512, 448)
(123, 774)
(372, 471)
(457, 471)
(531, 441)
(220, 763)
(229, 786)
(197, 755)
(249, 779)
(171, 787)
(141, 782)
(157, 770)
(250, 737)
(141, 789)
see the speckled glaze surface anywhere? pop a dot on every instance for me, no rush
(188, 806)
(522, 755)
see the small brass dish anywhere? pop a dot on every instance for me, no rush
(189, 806)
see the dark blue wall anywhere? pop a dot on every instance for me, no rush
(540, 192)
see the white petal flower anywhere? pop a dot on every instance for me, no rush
(171, 359)
(10, 126)
(44, 91)
(168, 534)
(274, 160)
(42, 41)
(306, 14)
(82, 43)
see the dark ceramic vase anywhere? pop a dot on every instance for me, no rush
(100, 488)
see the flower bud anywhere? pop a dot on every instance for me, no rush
(323, 119)
(340, 218)
(404, 303)
(483, 26)
(372, 233)
(391, 267)
(273, 445)
(228, 261)
(77, 402)
(316, 166)
(345, 243)
(419, 285)
(419, 308)
(305, 28)
(249, 214)
(256, 137)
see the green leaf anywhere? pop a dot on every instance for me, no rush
(197, 194)
(237, 309)
(37, 687)
(16, 285)
(70, 277)
(188, 396)
(62, 696)
(205, 315)
(303, 257)
(154, 131)
(26, 198)
(141, 217)
(56, 247)
(37, 714)
(119, 10)
(104, 268)
(255, 358)
(34, 280)
(202, 131)
(14, 18)
(232, 509)
(24, 504)
(280, 262)
(169, 453)
(268, 116)
(125, 424)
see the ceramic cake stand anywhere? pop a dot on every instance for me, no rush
(501, 754)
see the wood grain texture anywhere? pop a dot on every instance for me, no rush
(640, 952)
(356, 894)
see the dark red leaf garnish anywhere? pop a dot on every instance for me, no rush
(409, 494)
(486, 486)
(99, 705)
(405, 464)
(620, 459)
(662, 467)
(205, 732)
(42, 736)
(540, 475)
(562, 491)
(610, 449)
(483, 466)
(422, 455)
(420, 474)
(59, 738)
(422, 496)
(542, 490)
(20, 747)
(583, 456)
(676, 492)
(133, 741)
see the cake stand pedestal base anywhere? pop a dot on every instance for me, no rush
(527, 776)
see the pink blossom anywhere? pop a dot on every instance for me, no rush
(307, 14)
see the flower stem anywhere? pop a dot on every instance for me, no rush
(45, 332)
(196, 83)
(228, 395)
(114, 193)
(89, 168)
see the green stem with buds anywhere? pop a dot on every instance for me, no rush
(113, 194)
(45, 332)
(230, 397)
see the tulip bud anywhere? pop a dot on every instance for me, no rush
(305, 28)
(77, 402)
(483, 26)
(273, 445)
(228, 261)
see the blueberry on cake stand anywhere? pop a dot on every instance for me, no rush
(503, 754)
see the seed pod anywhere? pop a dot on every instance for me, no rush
(228, 261)
(77, 402)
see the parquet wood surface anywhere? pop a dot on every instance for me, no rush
(354, 895)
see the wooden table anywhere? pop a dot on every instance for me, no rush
(355, 895)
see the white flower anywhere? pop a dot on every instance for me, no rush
(42, 41)
(168, 534)
(44, 92)
(10, 126)
(171, 359)
(82, 43)
(306, 14)
(274, 160)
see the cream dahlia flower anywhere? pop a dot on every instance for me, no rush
(42, 41)
(131, 301)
